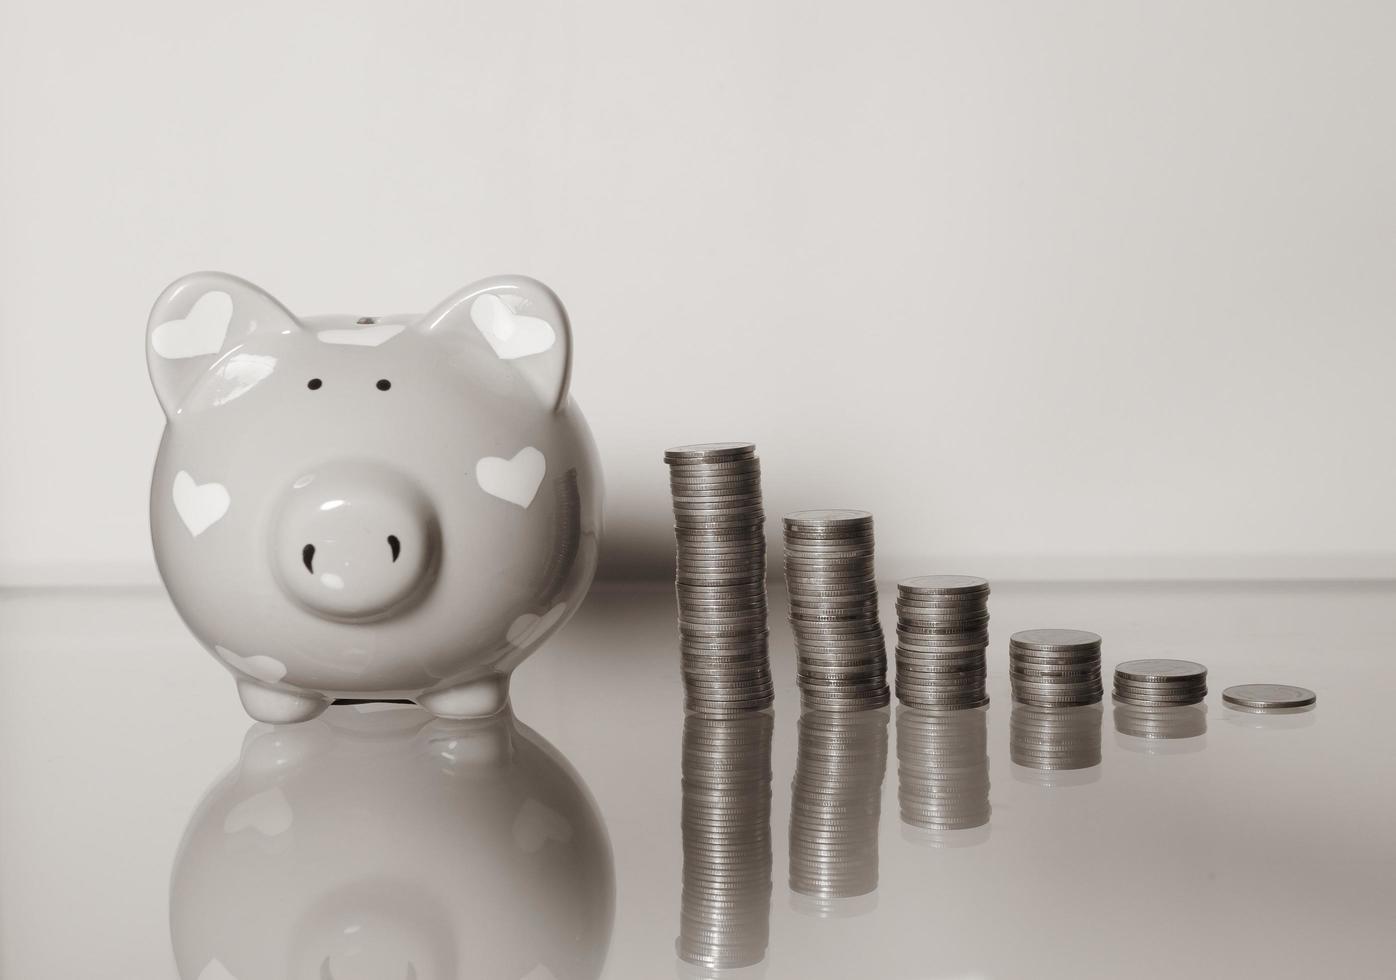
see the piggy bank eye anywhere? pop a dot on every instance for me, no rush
(384, 384)
(314, 384)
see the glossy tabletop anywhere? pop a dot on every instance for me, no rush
(141, 813)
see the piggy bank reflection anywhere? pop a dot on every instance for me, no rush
(376, 843)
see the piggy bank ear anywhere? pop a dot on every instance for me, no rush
(198, 318)
(517, 321)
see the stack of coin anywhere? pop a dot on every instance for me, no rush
(1054, 738)
(942, 771)
(725, 907)
(1160, 683)
(1055, 667)
(833, 610)
(721, 581)
(836, 802)
(942, 632)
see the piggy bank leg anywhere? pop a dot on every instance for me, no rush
(278, 707)
(473, 699)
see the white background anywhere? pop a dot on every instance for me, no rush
(1055, 289)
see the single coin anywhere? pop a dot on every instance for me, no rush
(1161, 671)
(830, 536)
(1268, 696)
(1054, 640)
(820, 518)
(943, 585)
(709, 452)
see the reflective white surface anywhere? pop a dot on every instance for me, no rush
(1264, 846)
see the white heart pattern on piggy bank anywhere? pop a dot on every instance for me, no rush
(515, 480)
(201, 331)
(510, 334)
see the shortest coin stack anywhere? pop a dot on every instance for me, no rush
(1055, 668)
(1160, 683)
(942, 631)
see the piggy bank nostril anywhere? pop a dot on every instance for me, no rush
(308, 557)
(395, 545)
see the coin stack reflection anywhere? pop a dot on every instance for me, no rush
(835, 806)
(1160, 722)
(833, 610)
(719, 525)
(1054, 739)
(942, 771)
(725, 913)
(1055, 668)
(942, 632)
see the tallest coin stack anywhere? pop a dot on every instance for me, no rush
(719, 525)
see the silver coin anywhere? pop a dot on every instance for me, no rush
(949, 666)
(822, 518)
(710, 451)
(1044, 662)
(829, 536)
(689, 511)
(940, 585)
(940, 616)
(1057, 687)
(1161, 671)
(866, 625)
(840, 653)
(739, 601)
(733, 557)
(748, 470)
(828, 561)
(709, 605)
(943, 628)
(947, 642)
(716, 503)
(852, 600)
(709, 477)
(1268, 696)
(832, 566)
(746, 549)
(1049, 672)
(718, 521)
(941, 610)
(1055, 640)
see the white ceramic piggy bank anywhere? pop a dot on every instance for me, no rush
(376, 843)
(370, 507)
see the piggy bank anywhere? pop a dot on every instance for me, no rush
(378, 843)
(370, 507)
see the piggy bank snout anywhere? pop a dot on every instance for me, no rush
(354, 542)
